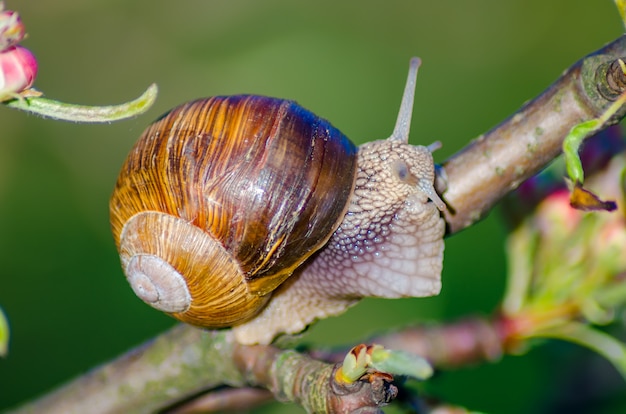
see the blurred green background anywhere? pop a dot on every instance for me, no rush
(61, 285)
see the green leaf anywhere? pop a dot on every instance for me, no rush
(571, 145)
(359, 359)
(4, 334)
(621, 8)
(401, 363)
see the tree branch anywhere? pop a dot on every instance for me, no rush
(179, 363)
(230, 399)
(185, 361)
(497, 162)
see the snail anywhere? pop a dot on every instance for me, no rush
(253, 213)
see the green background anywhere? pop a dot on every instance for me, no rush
(69, 305)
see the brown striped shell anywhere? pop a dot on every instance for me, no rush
(222, 198)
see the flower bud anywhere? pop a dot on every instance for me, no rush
(18, 69)
(555, 218)
(11, 28)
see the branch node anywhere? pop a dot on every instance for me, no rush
(611, 80)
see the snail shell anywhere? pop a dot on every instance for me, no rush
(222, 198)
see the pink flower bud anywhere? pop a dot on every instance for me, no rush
(18, 69)
(555, 216)
(12, 29)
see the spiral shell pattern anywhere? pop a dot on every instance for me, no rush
(222, 198)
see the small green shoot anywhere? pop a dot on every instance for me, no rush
(362, 360)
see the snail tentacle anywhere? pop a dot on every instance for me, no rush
(403, 122)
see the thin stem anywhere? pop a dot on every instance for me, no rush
(584, 335)
(61, 111)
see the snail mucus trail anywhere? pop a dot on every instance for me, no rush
(252, 212)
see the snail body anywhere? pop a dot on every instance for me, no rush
(252, 212)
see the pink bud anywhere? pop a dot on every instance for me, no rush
(18, 69)
(12, 29)
(556, 217)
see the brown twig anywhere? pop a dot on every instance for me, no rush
(469, 341)
(497, 162)
(466, 342)
(223, 400)
(185, 361)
